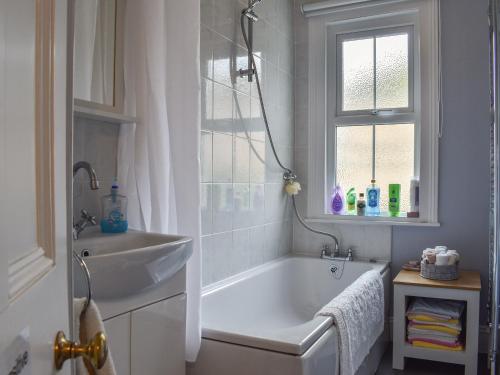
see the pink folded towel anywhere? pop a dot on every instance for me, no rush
(437, 342)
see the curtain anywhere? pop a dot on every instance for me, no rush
(158, 158)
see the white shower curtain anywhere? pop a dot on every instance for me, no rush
(158, 158)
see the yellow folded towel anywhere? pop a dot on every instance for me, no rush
(428, 318)
(428, 345)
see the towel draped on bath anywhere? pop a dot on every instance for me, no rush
(358, 314)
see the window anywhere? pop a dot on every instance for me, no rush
(375, 76)
(374, 96)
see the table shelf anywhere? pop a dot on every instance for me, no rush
(407, 285)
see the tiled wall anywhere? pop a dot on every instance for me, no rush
(246, 218)
(97, 143)
(368, 241)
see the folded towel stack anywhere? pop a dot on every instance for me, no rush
(435, 324)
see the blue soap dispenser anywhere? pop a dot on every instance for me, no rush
(114, 211)
(373, 200)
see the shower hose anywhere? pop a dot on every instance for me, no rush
(289, 176)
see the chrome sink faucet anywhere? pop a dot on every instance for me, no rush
(86, 219)
(335, 254)
(94, 182)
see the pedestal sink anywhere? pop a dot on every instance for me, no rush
(126, 264)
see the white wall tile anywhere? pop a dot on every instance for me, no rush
(206, 209)
(241, 209)
(241, 260)
(222, 120)
(206, 156)
(222, 158)
(246, 234)
(241, 160)
(206, 52)
(257, 162)
(207, 109)
(257, 212)
(241, 115)
(222, 207)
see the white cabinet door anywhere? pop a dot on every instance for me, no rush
(158, 338)
(118, 331)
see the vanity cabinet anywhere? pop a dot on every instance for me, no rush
(151, 339)
(158, 335)
(118, 334)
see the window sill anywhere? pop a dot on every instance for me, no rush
(372, 220)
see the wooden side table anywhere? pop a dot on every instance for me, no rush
(409, 284)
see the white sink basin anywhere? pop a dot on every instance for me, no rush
(129, 263)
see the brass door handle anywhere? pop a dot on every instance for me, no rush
(96, 351)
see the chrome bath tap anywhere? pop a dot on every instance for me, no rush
(336, 254)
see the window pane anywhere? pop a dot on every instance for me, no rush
(392, 71)
(354, 157)
(358, 74)
(394, 157)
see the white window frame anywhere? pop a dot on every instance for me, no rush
(423, 17)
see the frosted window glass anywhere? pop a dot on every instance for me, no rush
(394, 161)
(392, 71)
(358, 74)
(354, 157)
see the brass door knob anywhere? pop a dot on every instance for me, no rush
(96, 351)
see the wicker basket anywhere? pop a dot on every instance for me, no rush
(431, 271)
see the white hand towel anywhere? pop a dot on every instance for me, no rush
(442, 308)
(88, 325)
(358, 313)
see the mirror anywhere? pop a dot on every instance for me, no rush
(97, 62)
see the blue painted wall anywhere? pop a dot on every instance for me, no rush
(464, 148)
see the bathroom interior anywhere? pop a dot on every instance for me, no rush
(252, 187)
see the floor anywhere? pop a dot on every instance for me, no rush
(420, 367)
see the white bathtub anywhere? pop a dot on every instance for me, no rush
(261, 322)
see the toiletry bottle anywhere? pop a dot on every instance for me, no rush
(372, 200)
(114, 212)
(337, 203)
(361, 206)
(351, 200)
(414, 197)
(394, 199)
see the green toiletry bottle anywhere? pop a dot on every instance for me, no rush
(351, 200)
(394, 199)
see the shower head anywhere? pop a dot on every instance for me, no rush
(248, 12)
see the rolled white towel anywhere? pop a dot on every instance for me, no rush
(441, 249)
(454, 257)
(442, 259)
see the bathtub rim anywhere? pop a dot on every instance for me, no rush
(244, 275)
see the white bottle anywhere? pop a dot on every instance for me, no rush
(414, 196)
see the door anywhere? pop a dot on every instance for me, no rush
(33, 225)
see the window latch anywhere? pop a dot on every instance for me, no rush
(382, 112)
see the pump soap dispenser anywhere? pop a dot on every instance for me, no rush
(114, 211)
